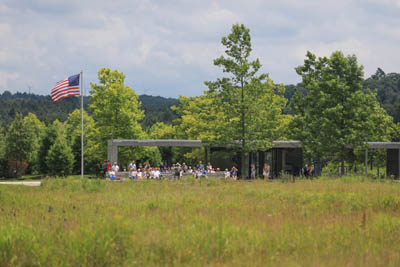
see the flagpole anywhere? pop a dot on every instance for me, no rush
(82, 123)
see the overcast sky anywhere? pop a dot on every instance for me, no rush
(167, 47)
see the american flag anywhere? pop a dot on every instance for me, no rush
(65, 88)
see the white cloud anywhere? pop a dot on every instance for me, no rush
(167, 47)
(6, 77)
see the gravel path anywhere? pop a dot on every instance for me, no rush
(23, 183)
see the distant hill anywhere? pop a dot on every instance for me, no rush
(388, 86)
(156, 108)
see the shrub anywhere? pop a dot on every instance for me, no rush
(60, 158)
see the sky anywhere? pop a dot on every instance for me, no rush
(167, 48)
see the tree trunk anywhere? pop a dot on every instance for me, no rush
(342, 167)
(372, 162)
(243, 171)
(243, 163)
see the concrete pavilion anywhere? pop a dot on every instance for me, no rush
(284, 156)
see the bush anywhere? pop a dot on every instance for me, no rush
(60, 159)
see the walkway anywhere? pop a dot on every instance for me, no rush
(23, 183)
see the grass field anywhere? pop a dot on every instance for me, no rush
(73, 222)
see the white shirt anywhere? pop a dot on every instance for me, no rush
(209, 168)
(115, 168)
(132, 166)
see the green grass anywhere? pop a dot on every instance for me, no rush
(74, 222)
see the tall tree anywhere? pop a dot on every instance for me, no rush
(160, 130)
(116, 111)
(336, 116)
(3, 161)
(252, 104)
(49, 138)
(60, 159)
(37, 128)
(388, 87)
(201, 118)
(19, 143)
(73, 135)
(2, 144)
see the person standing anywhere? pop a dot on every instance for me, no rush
(108, 165)
(162, 167)
(234, 173)
(190, 170)
(305, 171)
(200, 165)
(266, 170)
(312, 171)
(252, 171)
(104, 169)
(157, 174)
(133, 174)
(177, 171)
(115, 167)
(132, 165)
(184, 167)
(139, 175)
(209, 167)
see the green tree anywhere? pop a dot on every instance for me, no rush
(2, 144)
(115, 106)
(91, 148)
(60, 159)
(37, 128)
(200, 118)
(19, 143)
(336, 116)
(116, 111)
(252, 105)
(160, 130)
(388, 87)
(3, 161)
(51, 133)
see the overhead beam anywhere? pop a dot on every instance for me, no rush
(385, 145)
(160, 142)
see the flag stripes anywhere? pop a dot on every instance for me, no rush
(65, 88)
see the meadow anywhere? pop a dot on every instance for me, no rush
(351, 221)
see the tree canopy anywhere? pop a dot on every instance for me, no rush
(242, 106)
(116, 112)
(337, 114)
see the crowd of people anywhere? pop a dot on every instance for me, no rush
(176, 171)
(308, 172)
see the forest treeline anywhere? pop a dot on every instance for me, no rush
(158, 108)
